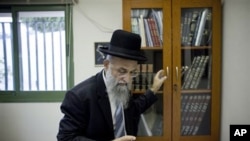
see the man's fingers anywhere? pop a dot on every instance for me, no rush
(158, 80)
(128, 138)
(163, 78)
(160, 75)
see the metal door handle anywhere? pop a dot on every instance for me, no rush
(177, 73)
(167, 72)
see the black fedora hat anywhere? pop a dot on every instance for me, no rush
(126, 45)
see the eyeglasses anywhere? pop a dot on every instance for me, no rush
(123, 71)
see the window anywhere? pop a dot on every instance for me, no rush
(35, 53)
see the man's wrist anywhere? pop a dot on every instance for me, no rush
(153, 90)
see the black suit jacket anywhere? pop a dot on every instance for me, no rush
(87, 112)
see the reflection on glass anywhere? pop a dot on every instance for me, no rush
(196, 59)
(196, 73)
(6, 54)
(151, 122)
(195, 114)
(196, 29)
(196, 34)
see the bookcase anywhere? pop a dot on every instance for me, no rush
(183, 37)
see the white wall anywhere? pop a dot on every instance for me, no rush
(39, 121)
(236, 65)
(29, 121)
(94, 21)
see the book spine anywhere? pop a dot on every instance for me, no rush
(197, 108)
(184, 103)
(209, 73)
(156, 33)
(196, 72)
(157, 16)
(188, 73)
(135, 26)
(184, 26)
(184, 116)
(202, 70)
(201, 114)
(144, 77)
(190, 116)
(137, 86)
(142, 31)
(191, 76)
(150, 75)
(184, 99)
(193, 24)
(149, 42)
(152, 31)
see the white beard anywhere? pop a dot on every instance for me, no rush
(120, 93)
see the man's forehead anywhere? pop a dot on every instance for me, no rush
(127, 66)
(119, 60)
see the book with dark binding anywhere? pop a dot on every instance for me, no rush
(205, 105)
(201, 72)
(189, 119)
(191, 75)
(193, 24)
(186, 77)
(149, 40)
(197, 72)
(156, 14)
(198, 107)
(185, 114)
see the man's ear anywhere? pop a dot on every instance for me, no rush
(106, 64)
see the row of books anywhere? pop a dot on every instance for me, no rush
(148, 24)
(145, 78)
(196, 27)
(194, 73)
(193, 109)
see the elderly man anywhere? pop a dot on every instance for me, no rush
(102, 107)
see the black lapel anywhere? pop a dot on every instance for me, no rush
(105, 107)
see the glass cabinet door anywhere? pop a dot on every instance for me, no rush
(147, 22)
(196, 57)
(151, 122)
